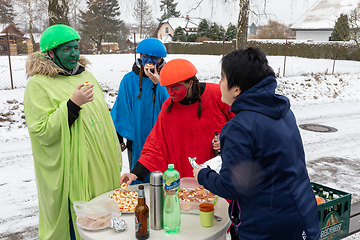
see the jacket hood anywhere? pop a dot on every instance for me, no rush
(261, 98)
(39, 63)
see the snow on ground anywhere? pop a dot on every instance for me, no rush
(333, 159)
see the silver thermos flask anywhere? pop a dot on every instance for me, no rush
(156, 200)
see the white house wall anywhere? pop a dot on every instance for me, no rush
(313, 35)
(162, 31)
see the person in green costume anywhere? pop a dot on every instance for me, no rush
(77, 155)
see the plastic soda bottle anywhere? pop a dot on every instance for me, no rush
(172, 214)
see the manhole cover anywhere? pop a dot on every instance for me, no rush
(317, 128)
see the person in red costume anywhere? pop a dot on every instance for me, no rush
(186, 124)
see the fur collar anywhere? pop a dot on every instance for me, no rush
(38, 63)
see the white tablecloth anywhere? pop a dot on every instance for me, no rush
(190, 225)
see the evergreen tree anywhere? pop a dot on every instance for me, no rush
(143, 14)
(341, 30)
(7, 12)
(179, 35)
(214, 32)
(222, 32)
(203, 28)
(169, 9)
(192, 37)
(100, 22)
(58, 12)
(230, 33)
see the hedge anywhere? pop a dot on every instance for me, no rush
(325, 50)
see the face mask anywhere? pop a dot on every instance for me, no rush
(67, 55)
(149, 59)
(177, 91)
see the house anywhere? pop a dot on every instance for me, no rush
(166, 28)
(110, 46)
(318, 22)
(252, 30)
(14, 36)
(29, 44)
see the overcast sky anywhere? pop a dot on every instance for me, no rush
(221, 12)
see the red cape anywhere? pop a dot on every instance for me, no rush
(180, 134)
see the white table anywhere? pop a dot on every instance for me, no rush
(190, 224)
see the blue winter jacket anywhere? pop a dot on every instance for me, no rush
(263, 169)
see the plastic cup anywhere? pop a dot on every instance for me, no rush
(206, 211)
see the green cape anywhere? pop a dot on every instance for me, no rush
(77, 163)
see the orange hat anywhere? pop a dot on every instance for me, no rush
(175, 71)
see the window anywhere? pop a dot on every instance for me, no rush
(166, 29)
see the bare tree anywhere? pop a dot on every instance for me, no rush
(32, 12)
(143, 14)
(274, 30)
(242, 23)
(354, 25)
(258, 9)
(74, 6)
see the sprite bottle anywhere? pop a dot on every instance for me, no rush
(172, 214)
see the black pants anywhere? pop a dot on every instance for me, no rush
(129, 144)
(234, 235)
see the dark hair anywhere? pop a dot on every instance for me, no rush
(245, 68)
(195, 89)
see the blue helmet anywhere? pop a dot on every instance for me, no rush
(152, 47)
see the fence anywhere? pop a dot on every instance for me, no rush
(282, 54)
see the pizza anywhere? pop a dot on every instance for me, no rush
(199, 194)
(127, 200)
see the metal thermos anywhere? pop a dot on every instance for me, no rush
(156, 200)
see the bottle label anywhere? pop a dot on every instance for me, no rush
(148, 229)
(137, 224)
(171, 185)
(141, 194)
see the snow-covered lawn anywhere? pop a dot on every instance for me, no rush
(333, 159)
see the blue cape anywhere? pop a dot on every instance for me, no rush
(135, 117)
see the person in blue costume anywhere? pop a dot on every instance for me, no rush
(140, 99)
(263, 169)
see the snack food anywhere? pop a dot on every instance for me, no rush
(199, 194)
(191, 195)
(94, 223)
(149, 66)
(124, 186)
(126, 200)
(87, 83)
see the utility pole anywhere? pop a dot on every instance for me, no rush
(8, 50)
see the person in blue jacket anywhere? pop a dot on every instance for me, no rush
(139, 99)
(263, 169)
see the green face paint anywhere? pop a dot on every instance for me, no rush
(68, 55)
